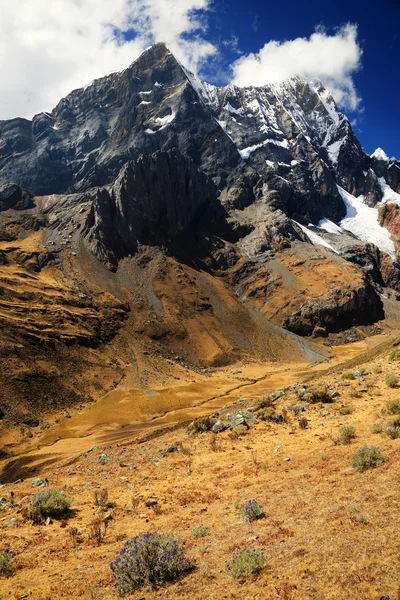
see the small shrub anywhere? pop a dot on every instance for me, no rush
(135, 503)
(97, 531)
(149, 559)
(265, 402)
(100, 497)
(185, 450)
(393, 407)
(346, 434)
(200, 531)
(214, 443)
(353, 393)
(394, 355)
(367, 458)
(392, 381)
(377, 370)
(363, 519)
(378, 428)
(240, 429)
(346, 410)
(269, 414)
(75, 536)
(246, 563)
(348, 375)
(251, 511)
(303, 422)
(6, 559)
(201, 425)
(49, 503)
(317, 393)
(392, 432)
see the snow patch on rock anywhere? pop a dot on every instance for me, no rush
(329, 226)
(362, 221)
(315, 238)
(389, 195)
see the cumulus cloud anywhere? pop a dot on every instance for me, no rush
(48, 48)
(331, 58)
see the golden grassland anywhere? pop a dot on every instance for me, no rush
(329, 532)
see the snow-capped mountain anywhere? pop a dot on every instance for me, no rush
(232, 176)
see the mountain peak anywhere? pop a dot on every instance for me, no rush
(380, 154)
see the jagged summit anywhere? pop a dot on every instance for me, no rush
(380, 154)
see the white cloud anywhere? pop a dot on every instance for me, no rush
(331, 58)
(49, 47)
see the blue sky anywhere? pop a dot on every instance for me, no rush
(254, 23)
(48, 49)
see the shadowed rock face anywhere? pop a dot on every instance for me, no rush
(14, 197)
(154, 200)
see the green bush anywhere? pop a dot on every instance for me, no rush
(378, 428)
(49, 503)
(317, 393)
(149, 560)
(394, 355)
(201, 425)
(6, 559)
(368, 458)
(200, 531)
(264, 402)
(348, 375)
(251, 511)
(269, 414)
(346, 410)
(392, 430)
(346, 434)
(393, 407)
(392, 381)
(246, 563)
(240, 429)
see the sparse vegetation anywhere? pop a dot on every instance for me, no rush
(49, 503)
(246, 563)
(395, 355)
(392, 381)
(347, 434)
(240, 429)
(6, 560)
(303, 422)
(251, 511)
(200, 531)
(149, 560)
(392, 430)
(317, 393)
(346, 410)
(201, 425)
(393, 407)
(378, 428)
(264, 402)
(100, 497)
(349, 375)
(269, 414)
(368, 458)
(97, 531)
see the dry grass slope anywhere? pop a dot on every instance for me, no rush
(329, 532)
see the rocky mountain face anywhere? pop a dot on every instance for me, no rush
(211, 222)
